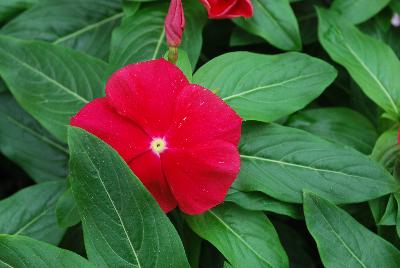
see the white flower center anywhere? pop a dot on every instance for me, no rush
(158, 145)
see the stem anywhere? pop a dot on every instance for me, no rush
(173, 55)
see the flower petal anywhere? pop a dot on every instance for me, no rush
(199, 178)
(146, 92)
(147, 168)
(201, 116)
(225, 9)
(100, 119)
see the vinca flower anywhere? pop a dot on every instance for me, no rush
(180, 139)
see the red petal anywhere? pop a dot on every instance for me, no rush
(146, 92)
(199, 178)
(147, 168)
(202, 116)
(100, 119)
(225, 9)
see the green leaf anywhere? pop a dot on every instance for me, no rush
(258, 201)
(340, 125)
(142, 37)
(183, 63)
(342, 241)
(51, 82)
(240, 37)
(275, 22)
(10, 8)
(387, 149)
(84, 25)
(266, 87)
(282, 161)
(252, 242)
(31, 212)
(123, 224)
(30, 146)
(359, 10)
(67, 211)
(371, 63)
(384, 210)
(19, 251)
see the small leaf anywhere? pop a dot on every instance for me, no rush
(51, 82)
(252, 242)
(371, 63)
(31, 212)
(281, 162)
(19, 251)
(123, 225)
(183, 63)
(25, 142)
(340, 125)
(358, 11)
(275, 22)
(67, 211)
(387, 149)
(10, 8)
(258, 201)
(342, 241)
(266, 87)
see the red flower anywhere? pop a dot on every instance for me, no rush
(225, 9)
(180, 139)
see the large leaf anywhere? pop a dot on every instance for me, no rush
(51, 82)
(123, 224)
(358, 10)
(31, 212)
(266, 87)
(261, 202)
(246, 238)
(19, 251)
(30, 146)
(10, 8)
(283, 161)
(275, 22)
(371, 63)
(342, 241)
(340, 125)
(142, 37)
(85, 25)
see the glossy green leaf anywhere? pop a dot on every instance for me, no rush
(266, 87)
(258, 201)
(67, 211)
(384, 210)
(342, 241)
(142, 37)
(359, 10)
(51, 82)
(19, 251)
(371, 63)
(85, 25)
(340, 125)
(30, 146)
(246, 238)
(275, 22)
(10, 8)
(31, 212)
(387, 150)
(283, 161)
(123, 224)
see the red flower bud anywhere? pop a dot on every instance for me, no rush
(174, 23)
(225, 9)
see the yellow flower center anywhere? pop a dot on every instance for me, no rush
(158, 145)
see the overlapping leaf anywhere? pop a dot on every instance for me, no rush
(359, 10)
(31, 212)
(342, 241)
(123, 224)
(266, 87)
(282, 162)
(51, 82)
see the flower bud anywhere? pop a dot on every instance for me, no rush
(174, 23)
